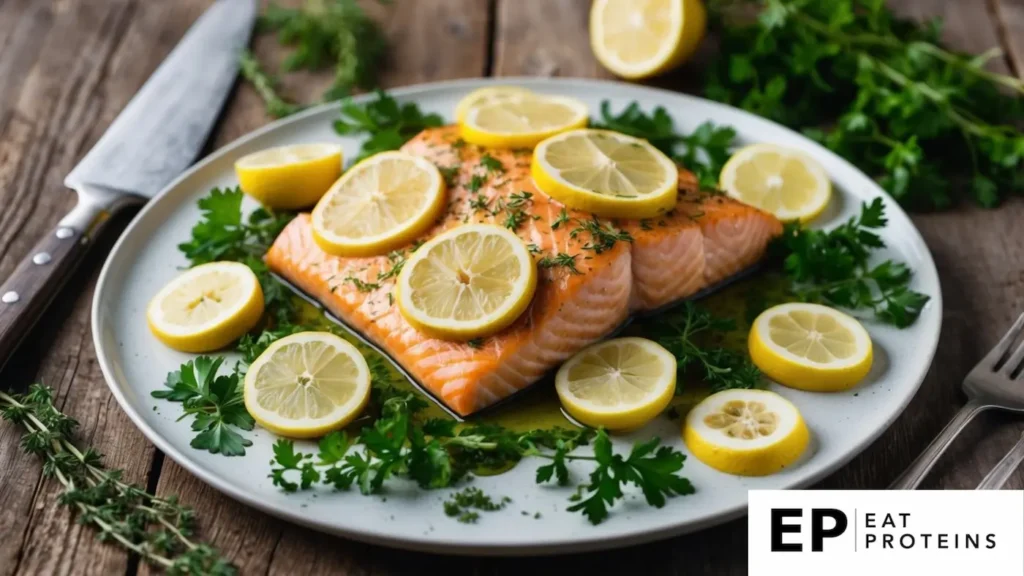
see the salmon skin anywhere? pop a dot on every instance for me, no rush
(622, 268)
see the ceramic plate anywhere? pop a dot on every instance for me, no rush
(842, 424)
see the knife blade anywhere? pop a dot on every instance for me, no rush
(158, 134)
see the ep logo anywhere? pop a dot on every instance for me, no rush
(820, 523)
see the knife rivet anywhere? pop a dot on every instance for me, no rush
(10, 297)
(41, 258)
(63, 233)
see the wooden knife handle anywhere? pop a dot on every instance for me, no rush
(26, 294)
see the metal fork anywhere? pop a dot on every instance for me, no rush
(1006, 467)
(991, 384)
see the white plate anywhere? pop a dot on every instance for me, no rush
(135, 364)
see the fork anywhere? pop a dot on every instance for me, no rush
(1006, 467)
(996, 382)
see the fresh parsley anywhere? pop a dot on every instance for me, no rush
(834, 267)
(215, 403)
(463, 505)
(879, 90)
(222, 233)
(386, 123)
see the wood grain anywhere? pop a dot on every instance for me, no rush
(68, 67)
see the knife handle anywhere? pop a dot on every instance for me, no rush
(33, 285)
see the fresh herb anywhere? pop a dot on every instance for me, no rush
(361, 285)
(833, 267)
(704, 151)
(214, 401)
(223, 234)
(387, 124)
(567, 261)
(251, 345)
(514, 218)
(475, 182)
(334, 34)
(159, 530)
(603, 235)
(653, 468)
(475, 343)
(533, 248)
(519, 199)
(450, 174)
(397, 260)
(480, 203)
(462, 504)
(692, 335)
(563, 218)
(266, 85)
(880, 91)
(491, 164)
(437, 453)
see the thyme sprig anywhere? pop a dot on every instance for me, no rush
(159, 530)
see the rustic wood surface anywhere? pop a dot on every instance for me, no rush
(68, 66)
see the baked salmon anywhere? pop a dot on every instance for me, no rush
(618, 269)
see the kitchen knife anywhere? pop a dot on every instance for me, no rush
(151, 142)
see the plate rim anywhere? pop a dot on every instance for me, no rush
(491, 549)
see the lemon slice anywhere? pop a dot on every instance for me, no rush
(810, 347)
(207, 307)
(636, 39)
(746, 432)
(380, 204)
(522, 122)
(307, 384)
(619, 384)
(289, 177)
(469, 282)
(606, 173)
(785, 182)
(488, 95)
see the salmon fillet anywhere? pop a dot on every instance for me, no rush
(704, 240)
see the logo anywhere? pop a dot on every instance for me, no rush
(864, 532)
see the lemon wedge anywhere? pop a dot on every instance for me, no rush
(619, 384)
(469, 282)
(785, 182)
(641, 38)
(488, 95)
(522, 122)
(206, 307)
(746, 432)
(289, 177)
(606, 173)
(810, 347)
(380, 204)
(307, 384)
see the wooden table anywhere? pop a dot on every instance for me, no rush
(67, 67)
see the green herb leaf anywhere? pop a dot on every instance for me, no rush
(387, 124)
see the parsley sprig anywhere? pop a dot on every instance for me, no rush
(703, 151)
(437, 453)
(880, 91)
(214, 401)
(159, 530)
(223, 233)
(834, 267)
(386, 123)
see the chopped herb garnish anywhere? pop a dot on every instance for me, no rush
(480, 203)
(475, 183)
(475, 343)
(603, 236)
(533, 248)
(563, 218)
(361, 285)
(564, 260)
(514, 218)
(518, 199)
(450, 174)
(491, 164)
